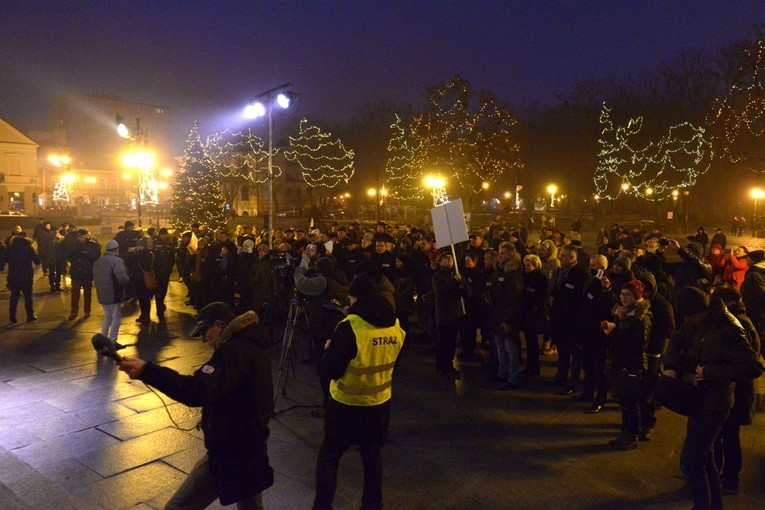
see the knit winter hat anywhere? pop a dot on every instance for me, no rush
(362, 286)
(694, 249)
(636, 287)
(325, 265)
(624, 261)
(757, 256)
(112, 245)
(248, 245)
(690, 301)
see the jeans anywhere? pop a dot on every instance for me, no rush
(509, 353)
(728, 453)
(198, 491)
(110, 326)
(87, 294)
(697, 460)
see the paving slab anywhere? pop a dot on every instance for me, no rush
(125, 455)
(44, 453)
(140, 424)
(139, 486)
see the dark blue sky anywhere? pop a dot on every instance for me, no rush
(206, 59)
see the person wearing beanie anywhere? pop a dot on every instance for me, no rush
(320, 285)
(753, 289)
(357, 368)
(627, 340)
(110, 278)
(448, 291)
(692, 270)
(620, 271)
(728, 443)
(710, 350)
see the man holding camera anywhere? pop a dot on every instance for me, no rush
(235, 390)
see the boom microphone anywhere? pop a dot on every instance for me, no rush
(105, 347)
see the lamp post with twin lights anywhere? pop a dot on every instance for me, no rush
(140, 159)
(263, 105)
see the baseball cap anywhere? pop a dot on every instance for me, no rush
(215, 311)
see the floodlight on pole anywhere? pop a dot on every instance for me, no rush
(263, 105)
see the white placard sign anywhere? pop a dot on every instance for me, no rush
(449, 223)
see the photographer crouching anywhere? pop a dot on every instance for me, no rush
(325, 290)
(235, 390)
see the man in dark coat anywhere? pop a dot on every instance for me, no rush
(20, 255)
(235, 391)
(82, 256)
(447, 291)
(566, 298)
(164, 260)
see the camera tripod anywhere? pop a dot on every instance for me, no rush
(287, 357)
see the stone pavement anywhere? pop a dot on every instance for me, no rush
(77, 434)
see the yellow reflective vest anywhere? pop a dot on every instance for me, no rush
(367, 380)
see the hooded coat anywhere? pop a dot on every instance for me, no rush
(505, 295)
(20, 255)
(236, 393)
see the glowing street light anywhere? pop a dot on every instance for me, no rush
(436, 183)
(757, 194)
(262, 106)
(508, 195)
(485, 185)
(552, 189)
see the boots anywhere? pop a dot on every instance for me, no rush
(624, 442)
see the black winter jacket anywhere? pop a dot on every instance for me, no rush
(82, 257)
(20, 255)
(718, 343)
(235, 390)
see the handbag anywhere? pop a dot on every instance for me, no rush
(150, 280)
(150, 277)
(679, 396)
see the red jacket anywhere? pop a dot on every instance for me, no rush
(735, 271)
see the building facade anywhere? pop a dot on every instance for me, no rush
(19, 180)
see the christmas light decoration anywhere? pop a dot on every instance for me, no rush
(648, 169)
(323, 162)
(240, 155)
(197, 195)
(401, 176)
(467, 135)
(61, 188)
(737, 121)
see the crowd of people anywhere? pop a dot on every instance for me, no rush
(614, 317)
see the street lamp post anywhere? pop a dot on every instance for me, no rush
(436, 183)
(138, 137)
(263, 105)
(757, 194)
(552, 189)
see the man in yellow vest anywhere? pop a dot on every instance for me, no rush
(358, 368)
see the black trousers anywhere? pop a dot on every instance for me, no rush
(160, 292)
(446, 345)
(595, 377)
(16, 292)
(55, 272)
(728, 453)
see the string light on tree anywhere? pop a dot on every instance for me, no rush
(468, 134)
(323, 161)
(197, 195)
(241, 155)
(737, 121)
(401, 176)
(675, 160)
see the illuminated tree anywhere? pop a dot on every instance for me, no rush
(737, 121)
(323, 162)
(628, 163)
(239, 160)
(468, 136)
(402, 178)
(197, 195)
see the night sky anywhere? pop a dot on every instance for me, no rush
(204, 60)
